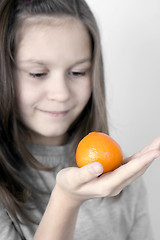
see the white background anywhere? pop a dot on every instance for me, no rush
(130, 31)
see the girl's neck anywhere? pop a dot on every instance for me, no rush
(49, 141)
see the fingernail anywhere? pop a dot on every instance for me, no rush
(97, 168)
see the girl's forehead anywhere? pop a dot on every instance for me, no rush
(47, 24)
(50, 21)
(65, 37)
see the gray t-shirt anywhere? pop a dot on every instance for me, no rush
(124, 217)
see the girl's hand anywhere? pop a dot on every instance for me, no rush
(80, 184)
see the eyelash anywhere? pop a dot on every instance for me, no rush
(73, 74)
(38, 75)
(77, 74)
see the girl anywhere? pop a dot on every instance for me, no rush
(52, 95)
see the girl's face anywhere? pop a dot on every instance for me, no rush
(53, 76)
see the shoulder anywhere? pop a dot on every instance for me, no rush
(8, 229)
(135, 189)
(129, 199)
(133, 192)
(131, 202)
(133, 198)
(3, 214)
(5, 222)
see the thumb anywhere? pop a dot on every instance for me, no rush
(89, 172)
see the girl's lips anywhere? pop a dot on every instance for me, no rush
(55, 113)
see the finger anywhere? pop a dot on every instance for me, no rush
(132, 167)
(155, 145)
(117, 190)
(89, 172)
(138, 154)
(134, 177)
(125, 174)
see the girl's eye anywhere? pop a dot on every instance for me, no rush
(38, 75)
(77, 74)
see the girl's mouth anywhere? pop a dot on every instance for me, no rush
(55, 113)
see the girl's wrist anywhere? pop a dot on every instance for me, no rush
(67, 199)
(60, 217)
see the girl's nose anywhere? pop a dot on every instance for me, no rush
(58, 88)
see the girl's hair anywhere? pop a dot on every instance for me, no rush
(14, 157)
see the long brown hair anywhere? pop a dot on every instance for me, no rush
(14, 157)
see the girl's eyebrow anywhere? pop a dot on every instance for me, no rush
(34, 61)
(82, 61)
(31, 61)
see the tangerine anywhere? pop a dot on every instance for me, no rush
(98, 146)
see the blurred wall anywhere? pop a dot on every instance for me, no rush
(130, 33)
